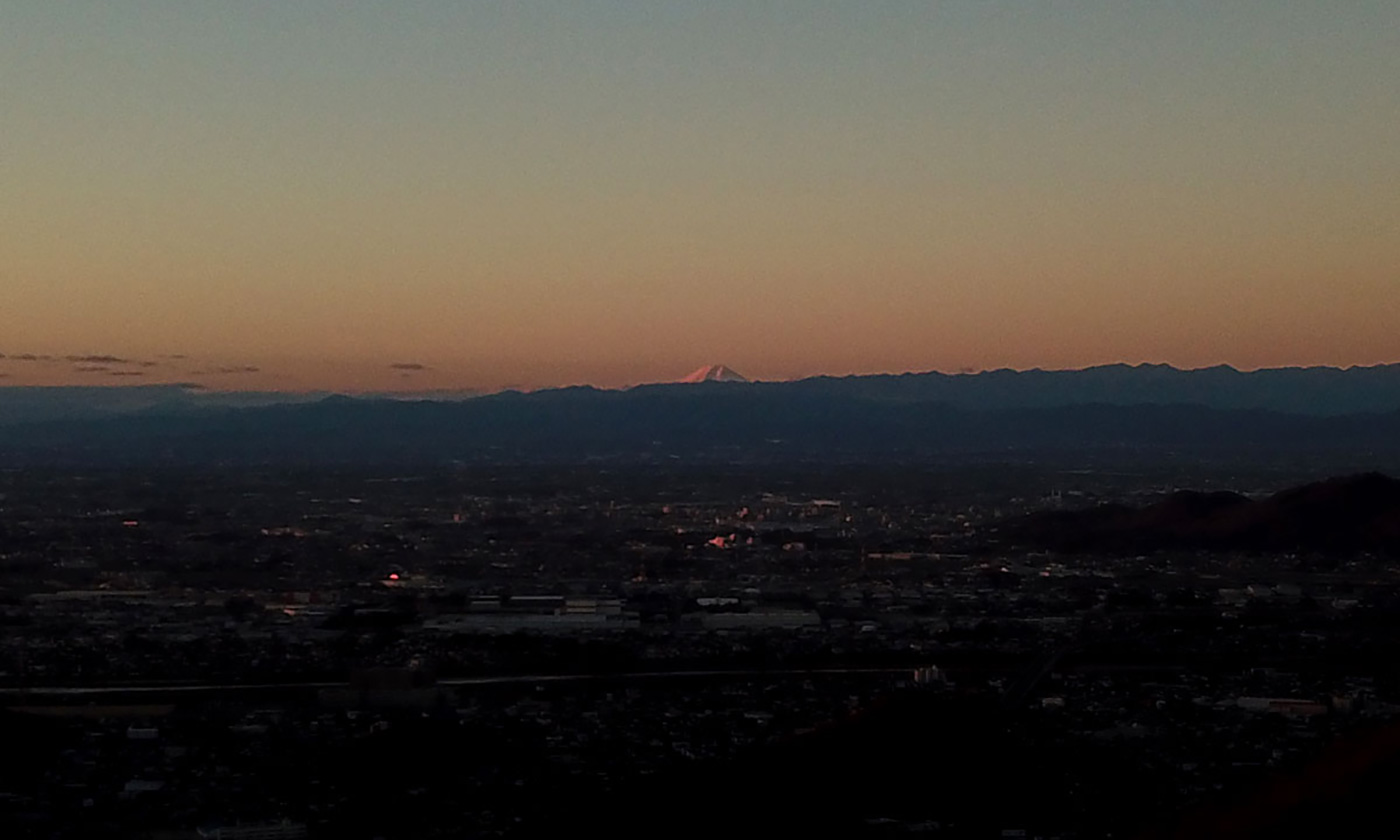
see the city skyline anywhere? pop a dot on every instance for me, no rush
(443, 196)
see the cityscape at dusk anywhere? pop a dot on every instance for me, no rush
(452, 419)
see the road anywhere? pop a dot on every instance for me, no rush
(186, 690)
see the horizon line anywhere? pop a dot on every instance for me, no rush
(469, 391)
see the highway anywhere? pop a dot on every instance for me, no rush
(192, 690)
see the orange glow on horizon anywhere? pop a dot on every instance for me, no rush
(506, 196)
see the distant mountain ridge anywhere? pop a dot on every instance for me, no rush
(39, 404)
(1318, 391)
(1312, 391)
(1154, 411)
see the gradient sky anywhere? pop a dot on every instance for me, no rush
(532, 193)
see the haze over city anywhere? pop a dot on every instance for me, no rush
(436, 195)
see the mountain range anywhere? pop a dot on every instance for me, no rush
(1155, 410)
(1317, 391)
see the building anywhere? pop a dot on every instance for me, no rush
(284, 830)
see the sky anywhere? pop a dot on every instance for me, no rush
(340, 194)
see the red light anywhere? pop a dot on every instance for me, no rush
(393, 576)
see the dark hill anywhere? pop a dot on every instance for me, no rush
(1340, 515)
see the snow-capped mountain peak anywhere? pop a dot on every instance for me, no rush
(714, 373)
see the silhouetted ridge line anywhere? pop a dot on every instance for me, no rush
(1340, 515)
(1320, 391)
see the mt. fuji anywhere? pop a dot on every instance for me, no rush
(714, 373)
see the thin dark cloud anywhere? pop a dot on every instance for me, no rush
(408, 366)
(91, 368)
(226, 371)
(87, 363)
(102, 359)
(127, 373)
